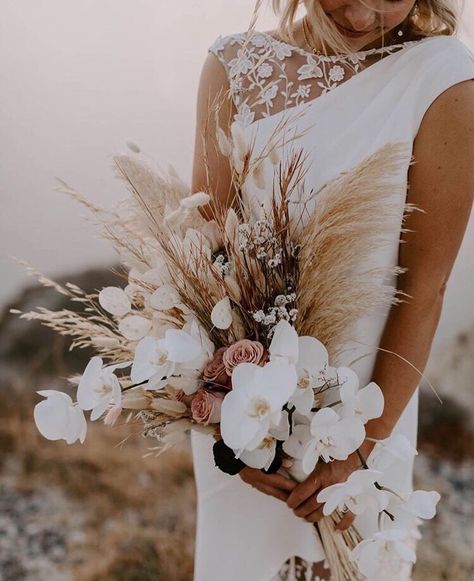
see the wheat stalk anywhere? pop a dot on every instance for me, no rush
(355, 213)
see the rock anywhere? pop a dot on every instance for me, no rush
(28, 348)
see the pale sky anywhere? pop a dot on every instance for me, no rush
(79, 79)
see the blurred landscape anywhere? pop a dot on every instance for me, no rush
(101, 511)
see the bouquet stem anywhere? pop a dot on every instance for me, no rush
(337, 545)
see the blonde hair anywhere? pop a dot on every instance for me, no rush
(427, 18)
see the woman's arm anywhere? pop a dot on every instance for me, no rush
(441, 182)
(211, 173)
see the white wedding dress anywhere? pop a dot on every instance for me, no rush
(347, 111)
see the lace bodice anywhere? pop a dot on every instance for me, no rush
(267, 75)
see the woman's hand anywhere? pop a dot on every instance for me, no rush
(275, 485)
(303, 497)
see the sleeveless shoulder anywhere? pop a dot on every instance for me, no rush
(444, 61)
(239, 54)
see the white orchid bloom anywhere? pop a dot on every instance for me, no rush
(422, 503)
(298, 442)
(366, 403)
(357, 494)
(381, 554)
(281, 431)
(262, 456)
(332, 438)
(395, 448)
(418, 504)
(156, 359)
(58, 418)
(255, 402)
(284, 344)
(196, 330)
(311, 365)
(115, 301)
(296, 471)
(99, 387)
(311, 360)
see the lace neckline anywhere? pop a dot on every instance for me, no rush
(268, 76)
(363, 53)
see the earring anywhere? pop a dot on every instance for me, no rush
(400, 31)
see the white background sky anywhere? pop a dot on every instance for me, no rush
(79, 79)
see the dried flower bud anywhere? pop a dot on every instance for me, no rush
(169, 407)
(195, 200)
(238, 139)
(135, 400)
(238, 327)
(239, 150)
(104, 342)
(232, 226)
(223, 142)
(233, 288)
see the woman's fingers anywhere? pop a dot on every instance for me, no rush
(249, 475)
(346, 521)
(303, 491)
(272, 484)
(315, 516)
(307, 507)
(276, 492)
(255, 477)
(279, 481)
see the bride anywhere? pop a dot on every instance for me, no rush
(358, 73)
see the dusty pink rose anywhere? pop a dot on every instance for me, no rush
(214, 372)
(244, 351)
(180, 395)
(206, 406)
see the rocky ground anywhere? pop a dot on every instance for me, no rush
(100, 511)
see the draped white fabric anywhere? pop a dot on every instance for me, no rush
(242, 534)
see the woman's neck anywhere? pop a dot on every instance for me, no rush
(387, 39)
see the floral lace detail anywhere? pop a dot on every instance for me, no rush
(267, 75)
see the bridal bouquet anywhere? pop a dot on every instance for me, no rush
(233, 326)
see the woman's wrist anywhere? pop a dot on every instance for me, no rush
(364, 451)
(375, 430)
